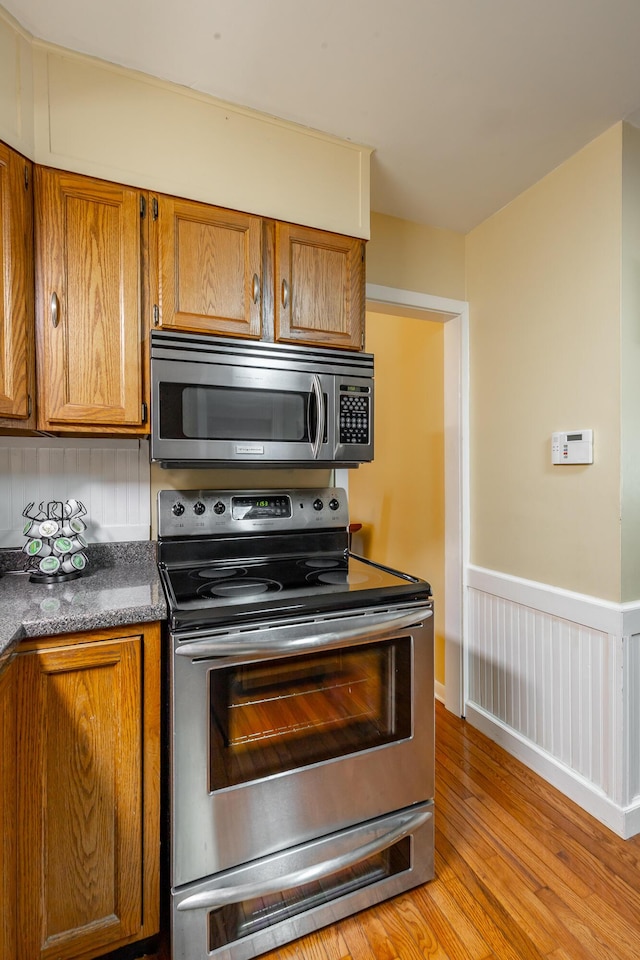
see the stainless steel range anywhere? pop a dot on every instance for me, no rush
(301, 720)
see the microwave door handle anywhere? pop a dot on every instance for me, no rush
(402, 825)
(316, 387)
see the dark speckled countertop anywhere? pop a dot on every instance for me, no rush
(119, 586)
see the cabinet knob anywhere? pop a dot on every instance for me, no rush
(285, 294)
(256, 288)
(55, 309)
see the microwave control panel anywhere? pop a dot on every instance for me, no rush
(355, 414)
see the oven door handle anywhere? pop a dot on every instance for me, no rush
(284, 641)
(403, 824)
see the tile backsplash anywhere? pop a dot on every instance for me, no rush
(110, 477)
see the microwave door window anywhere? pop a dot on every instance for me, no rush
(204, 412)
(226, 413)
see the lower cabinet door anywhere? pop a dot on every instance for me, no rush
(8, 810)
(80, 795)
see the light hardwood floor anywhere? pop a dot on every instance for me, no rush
(522, 873)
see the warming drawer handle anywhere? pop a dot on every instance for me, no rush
(404, 824)
(286, 641)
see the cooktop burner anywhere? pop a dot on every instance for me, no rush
(220, 579)
(233, 588)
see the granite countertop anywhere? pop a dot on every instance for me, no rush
(120, 585)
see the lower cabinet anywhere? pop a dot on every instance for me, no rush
(8, 812)
(82, 721)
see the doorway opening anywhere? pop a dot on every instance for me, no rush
(454, 316)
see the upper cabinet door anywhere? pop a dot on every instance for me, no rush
(319, 293)
(88, 303)
(17, 365)
(209, 263)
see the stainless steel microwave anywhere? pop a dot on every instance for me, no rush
(216, 401)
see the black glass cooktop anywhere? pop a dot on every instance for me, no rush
(210, 592)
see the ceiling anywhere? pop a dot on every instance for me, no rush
(466, 102)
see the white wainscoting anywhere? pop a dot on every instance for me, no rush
(110, 477)
(554, 677)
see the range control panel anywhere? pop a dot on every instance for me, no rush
(185, 513)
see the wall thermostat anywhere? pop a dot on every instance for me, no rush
(575, 446)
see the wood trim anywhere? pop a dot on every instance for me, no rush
(151, 780)
(84, 637)
(268, 279)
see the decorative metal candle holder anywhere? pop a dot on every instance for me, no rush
(54, 542)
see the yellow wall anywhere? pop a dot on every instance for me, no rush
(16, 86)
(406, 478)
(543, 284)
(630, 360)
(399, 497)
(552, 279)
(63, 109)
(413, 256)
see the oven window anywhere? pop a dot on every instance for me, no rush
(271, 717)
(203, 412)
(242, 919)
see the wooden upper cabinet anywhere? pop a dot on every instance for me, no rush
(320, 287)
(88, 304)
(17, 363)
(209, 268)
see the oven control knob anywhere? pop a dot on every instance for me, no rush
(333, 504)
(199, 508)
(318, 504)
(219, 507)
(177, 509)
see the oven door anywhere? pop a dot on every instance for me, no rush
(226, 413)
(290, 732)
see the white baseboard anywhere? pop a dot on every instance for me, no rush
(624, 822)
(440, 691)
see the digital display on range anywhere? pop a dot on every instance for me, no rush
(260, 507)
